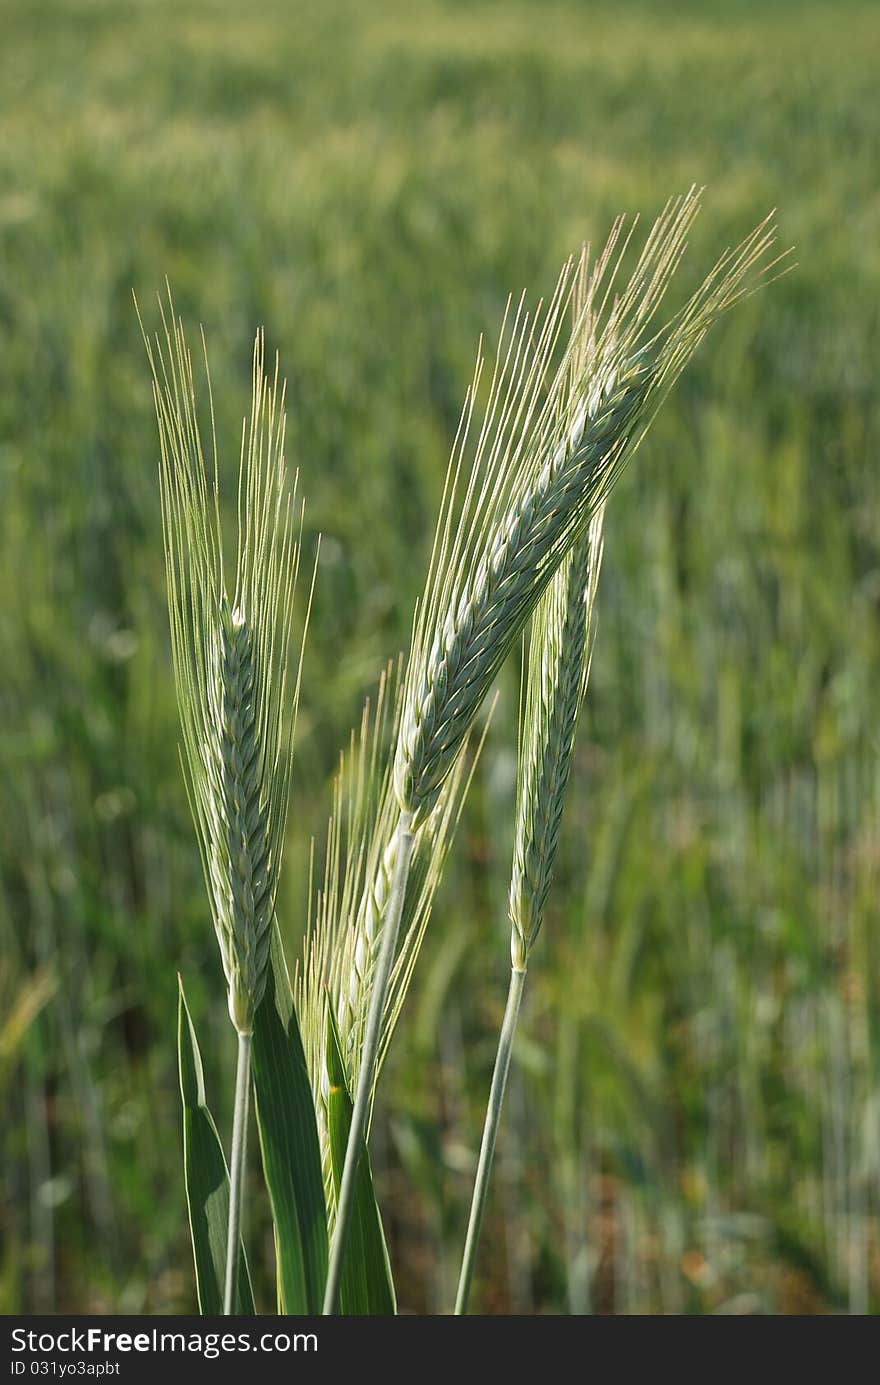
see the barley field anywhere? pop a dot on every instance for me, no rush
(692, 1118)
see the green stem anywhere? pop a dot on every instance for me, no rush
(236, 1173)
(490, 1131)
(369, 1057)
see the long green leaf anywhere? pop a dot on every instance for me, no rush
(289, 1142)
(366, 1287)
(207, 1178)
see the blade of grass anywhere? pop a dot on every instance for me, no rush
(289, 1142)
(366, 1287)
(207, 1179)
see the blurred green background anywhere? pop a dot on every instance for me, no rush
(694, 1116)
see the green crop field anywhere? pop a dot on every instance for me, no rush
(693, 1116)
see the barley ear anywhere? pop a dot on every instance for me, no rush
(558, 670)
(521, 487)
(380, 887)
(345, 933)
(563, 415)
(230, 648)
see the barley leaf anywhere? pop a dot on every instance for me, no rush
(366, 1287)
(289, 1143)
(207, 1178)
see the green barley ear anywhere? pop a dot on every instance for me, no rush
(373, 856)
(344, 936)
(230, 643)
(558, 670)
(537, 468)
(560, 650)
(613, 378)
(551, 442)
(237, 708)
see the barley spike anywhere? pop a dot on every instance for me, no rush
(237, 709)
(559, 664)
(552, 442)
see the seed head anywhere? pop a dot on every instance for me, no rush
(237, 710)
(556, 431)
(558, 670)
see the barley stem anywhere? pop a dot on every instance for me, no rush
(490, 1132)
(370, 1054)
(236, 1175)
